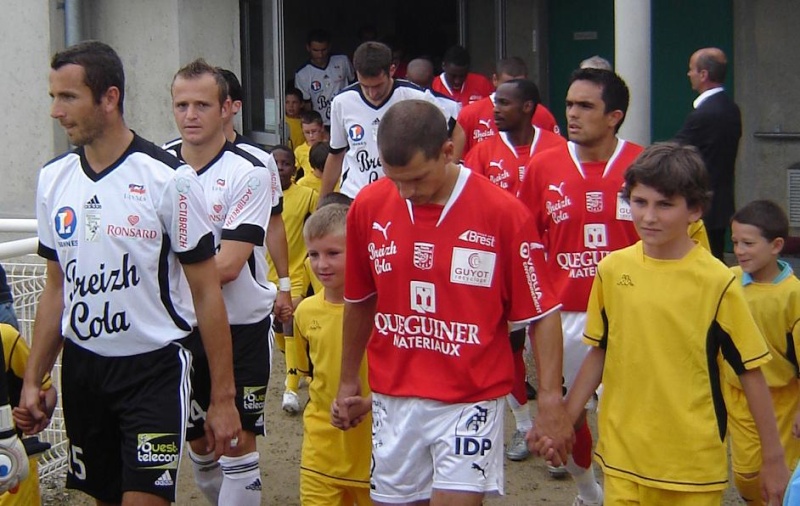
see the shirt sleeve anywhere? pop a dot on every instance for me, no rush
(44, 226)
(531, 295)
(596, 331)
(301, 341)
(184, 217)
(249, 208)
(742, 343)
(301, 84)
(338, 130)
(359, 283)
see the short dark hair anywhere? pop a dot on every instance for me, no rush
(200, 67)
(767, 216)
(282, 147)
(408, 127)
(234, 86)
(102, 68)
(456, 55)
(526, 90)
(671, 169)
(511, 66)
(294, 91)
(334, 198)
(318, 154)
(309, 117)
(615, 93)
(717, 68)
(372, 59)
(318, 35)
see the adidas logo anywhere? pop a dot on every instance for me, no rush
(165, 480)
(93, 203)
(256, 485)
(260, 421)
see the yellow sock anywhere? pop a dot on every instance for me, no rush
(280, 341)
(292, 376)
(749, 488)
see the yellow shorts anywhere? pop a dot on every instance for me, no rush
(316, 490)
(745, 443)
(622, 492)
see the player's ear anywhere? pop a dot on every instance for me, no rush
(777, 245)
(448, 150)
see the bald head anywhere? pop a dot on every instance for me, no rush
(420, 72)
(713, 61)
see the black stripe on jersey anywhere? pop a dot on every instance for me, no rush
(138, 145)
(791, 353)
(164, 286)
(641, 476)
(203, 251)
(173, 144)
(251, 265)
(397, 83)
(277, 208)
(336, 151)
(244, 154)
(246, 232)
(62, 155)
(47, 253)
(213, 160)
(718, 340)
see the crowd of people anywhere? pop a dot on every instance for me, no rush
(403, 248)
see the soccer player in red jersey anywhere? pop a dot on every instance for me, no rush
(574, 193)
(502, 159)
(433, 282)
(477, 119)
(457, 82)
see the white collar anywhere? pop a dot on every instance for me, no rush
(703, 96)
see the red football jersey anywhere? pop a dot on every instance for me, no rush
(580, 214)
(448, 281)
(475, 87)
(477, 120)
(505, 164)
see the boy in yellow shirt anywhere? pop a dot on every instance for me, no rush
(660, 314)
(759, 230)
(314, 132)
(298, 204)
(334, 464)
(316, 158)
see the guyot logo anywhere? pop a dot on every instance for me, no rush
(254, 398)
(158, 451)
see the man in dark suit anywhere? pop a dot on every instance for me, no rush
(714, 127)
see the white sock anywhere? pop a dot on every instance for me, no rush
(588, 488)
(241, 483)
(521, 412)
(207, 475)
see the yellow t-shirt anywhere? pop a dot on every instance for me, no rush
(301, 159)
(310, 180)
(295, 128)
(16, 352)
(776, 310)
(298, 204)
(663, 324)
(328, 452)
(698, 233)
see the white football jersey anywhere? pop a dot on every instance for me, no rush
(119, 236)
(239, 198)
(354, 126)
(321, 85)
(268, 161)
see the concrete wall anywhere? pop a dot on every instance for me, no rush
(27, 132)
(767, 91)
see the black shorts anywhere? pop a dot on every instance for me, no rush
(125, 420)
(251, 361)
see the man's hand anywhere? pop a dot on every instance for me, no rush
(774, 479)
(355, 409)
(283, 308)
(552, 435)
(222, 425)
(13, 459)
(340, 409)
(32, 403)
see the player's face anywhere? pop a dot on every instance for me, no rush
(662, 222)
(755, 254)
(319, 52)
(74, 106)
(198, 113)
(587, 122)
(313, 132)
(286, 168)
(376, 88)
(422, 181)
(695, 76)
(293, 106)
(510, 112)
(327, 257)
(455, 75)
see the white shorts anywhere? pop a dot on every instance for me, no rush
(575, 350)
(421, 444)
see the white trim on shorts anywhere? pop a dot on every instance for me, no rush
(185, 357)
(420, 444)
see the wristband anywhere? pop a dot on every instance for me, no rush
(284, 284)
(6, 422)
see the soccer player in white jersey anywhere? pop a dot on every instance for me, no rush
(356, 113)
(129, 250)
(433, 282)
(238, 201)
(323, 75)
